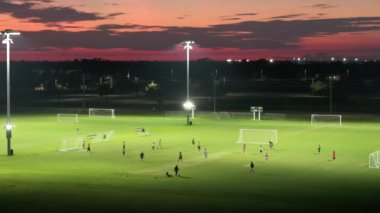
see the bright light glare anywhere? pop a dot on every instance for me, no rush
(271, 60)
(8, 126)
(188, 105)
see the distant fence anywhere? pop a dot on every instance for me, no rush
(217, 115)
(273, 116)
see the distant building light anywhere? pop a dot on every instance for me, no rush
(298, 59)
(271, 60)
(229, 60)
(344, 59)
(356, 59)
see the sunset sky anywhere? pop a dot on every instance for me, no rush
(154, 29)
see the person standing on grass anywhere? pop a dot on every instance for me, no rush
(319, 149)
(261, 149)
(89, 148)
(176, 170)
(159, 144)
(244, 148)
(180, 157)
(252, 165)
(267, 156)
(270, 145)
(83, 144)
(153, 146)
(142, 156)
(334, 155)
(205, 153)
(199, 146)
(193, 142)
(123, 149)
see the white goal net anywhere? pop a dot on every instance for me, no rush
(326, 119)
(97, 112)
(374, 160)
(258, 136)
(100, 137)
(67, 118)
(71, 144)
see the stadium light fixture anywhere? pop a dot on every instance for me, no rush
(188, 106)
(188, 47)
(8, 41)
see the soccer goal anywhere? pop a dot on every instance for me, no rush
(100, 137)
(326, 119)
(97, 112)
(374, 160)
(71, 144)
(258, 136)
(67, 118)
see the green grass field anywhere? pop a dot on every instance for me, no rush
(295, 179)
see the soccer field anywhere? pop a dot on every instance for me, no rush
(294, 179)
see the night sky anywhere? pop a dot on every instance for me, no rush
(153, 29)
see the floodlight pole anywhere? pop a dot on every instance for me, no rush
(188, 47)
(216, 73)
(8, 124)
(331, 93)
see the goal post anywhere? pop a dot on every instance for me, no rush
(67, 118)
(71, 144)
(374, 160)
(325, 119)
(258, 136)
(97, 112)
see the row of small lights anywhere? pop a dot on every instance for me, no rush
(271, 60)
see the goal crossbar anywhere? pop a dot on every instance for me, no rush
(258, 136)
(99, 112)
(65, 117)
(326, 119)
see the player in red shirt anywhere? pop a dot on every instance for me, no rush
(334, 155)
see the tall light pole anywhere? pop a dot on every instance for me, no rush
(216, 73)
(8, 124)
(332, 78)
(188, 47)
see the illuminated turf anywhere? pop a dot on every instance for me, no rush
(295, 178)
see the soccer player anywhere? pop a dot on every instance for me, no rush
(123, 149)
(266, 156)
(261, 149)
(252, 166)
(244, 148)
(153, 145)
(334, 155)
(78, 131)
(180, 157)
(142, 156)
(176, 170)
(199, 146)
(83, 144)
(270, 145)
(193, 142)
(168, 175)
(205, 153)
(319, 149)
(159, 144)
(88, 148)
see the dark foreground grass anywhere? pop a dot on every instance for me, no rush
(295, 179)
